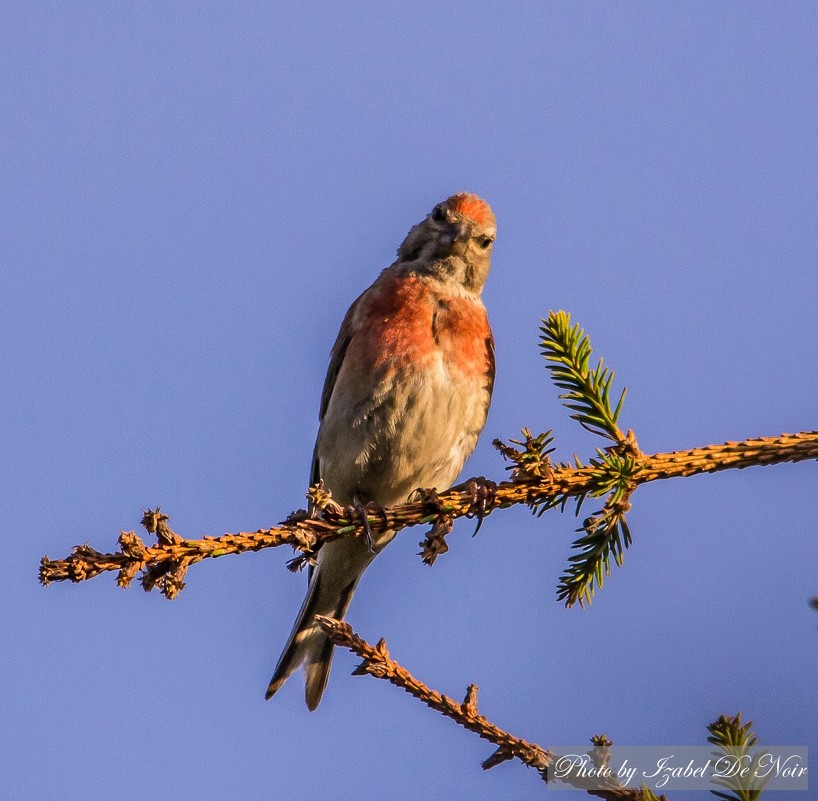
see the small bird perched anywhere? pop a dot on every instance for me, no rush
(405, 398)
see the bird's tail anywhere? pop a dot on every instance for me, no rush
(332, 586)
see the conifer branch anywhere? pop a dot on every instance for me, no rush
(613, 472)
(735, 740)
(567, 350)
(378, 663)
(303, 533)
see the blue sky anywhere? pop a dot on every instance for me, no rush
(194, 193)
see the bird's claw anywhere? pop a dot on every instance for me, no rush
(430, 499)
(362, 511)
(482, 492)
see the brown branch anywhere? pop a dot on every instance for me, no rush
(378, 663)
(164, 564)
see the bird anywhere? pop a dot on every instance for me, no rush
(405, 398)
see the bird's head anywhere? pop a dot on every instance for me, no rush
(454, 242)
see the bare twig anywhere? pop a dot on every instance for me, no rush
(377, 662)
(165, 562)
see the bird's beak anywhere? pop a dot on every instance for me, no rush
(458, 231)
(454, 233)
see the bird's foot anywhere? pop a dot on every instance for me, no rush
(361, 512)
(482, 492)
(430, 499)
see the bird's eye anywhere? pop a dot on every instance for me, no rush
(485, 242)
(438, 215)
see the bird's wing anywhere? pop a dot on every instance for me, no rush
(336, 360)
(492, 364)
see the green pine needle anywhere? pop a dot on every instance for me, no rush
(734, 739)
(604, 535)
(567, 350)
